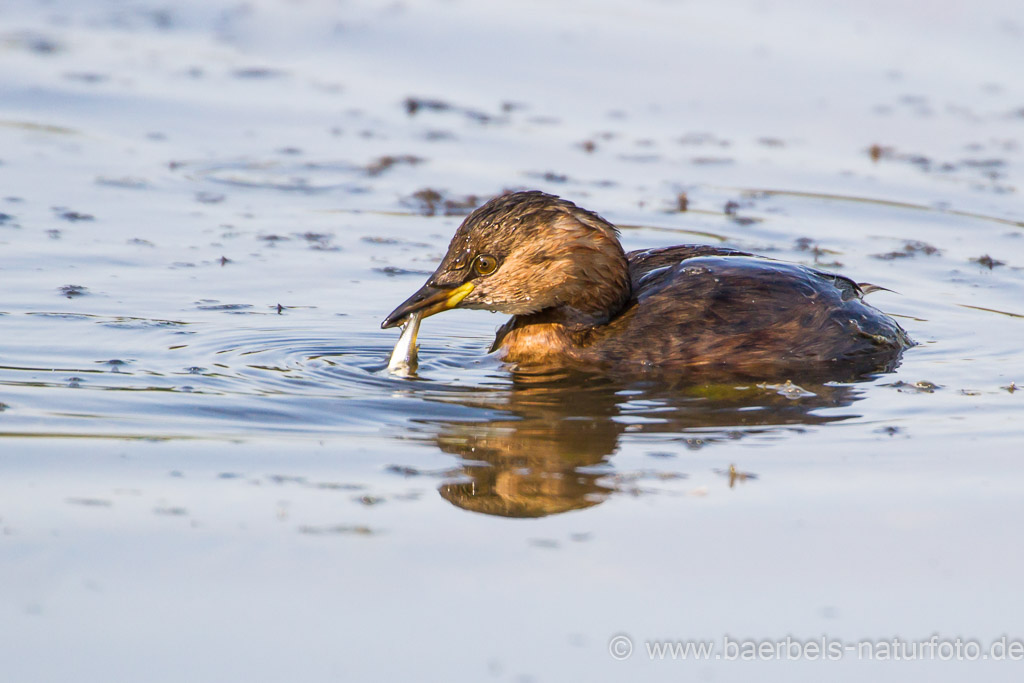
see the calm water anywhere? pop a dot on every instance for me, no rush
(207, 208)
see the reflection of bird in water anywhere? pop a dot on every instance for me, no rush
(530, 465)
(545, 458)
(579, 301)
(536, 481)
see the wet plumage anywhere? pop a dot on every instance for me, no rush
(578, 300)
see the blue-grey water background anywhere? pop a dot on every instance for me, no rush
(206, 208)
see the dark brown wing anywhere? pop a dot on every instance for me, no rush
(711, 308)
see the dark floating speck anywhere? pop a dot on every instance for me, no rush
(89, 77)
(880, 153)
(414, 104)
(71, 291)
(5, 218)
(286, 478)
(170, 511)
(204, 197)
(144, 323)
(987, 261)
(126, 182)
(211, 306)
(381, 164)
(983, 163)
(910, 249)
(921, 387)
(712, 161)
(438, 135)
(115, 364)
(429, 202)
(35, 42)
(641, 158)
(89, 502)
(990, 169)
(338, 529)
(319, 240)
(392, 271)
(75, 216)
(258, 72)
(62, 316)
(817, 251)
(337, 486)
(402, 470)
(406, 471)
(703, 139)
(549, 176)
(478, 116)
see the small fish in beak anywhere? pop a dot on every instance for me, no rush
(403, 359)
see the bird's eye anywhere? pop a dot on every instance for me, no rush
(484, 264)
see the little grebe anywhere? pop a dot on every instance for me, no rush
(578, 300)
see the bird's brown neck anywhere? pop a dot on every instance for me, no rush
(558, 332)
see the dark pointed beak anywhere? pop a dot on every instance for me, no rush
(430, 300)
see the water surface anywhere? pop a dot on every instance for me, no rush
(206, 209)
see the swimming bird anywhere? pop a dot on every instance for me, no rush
(578, 300)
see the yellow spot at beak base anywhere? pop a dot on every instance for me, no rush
(458, 294)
